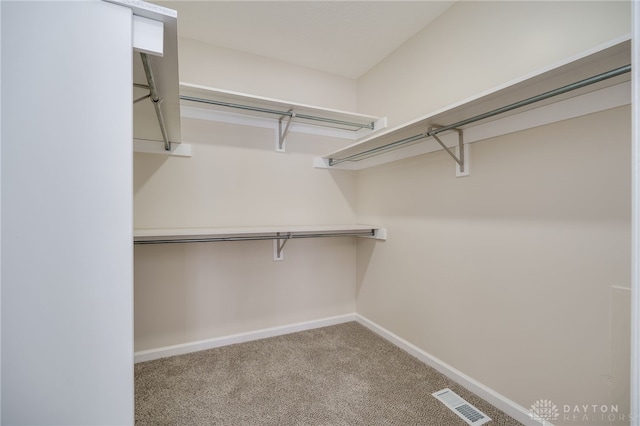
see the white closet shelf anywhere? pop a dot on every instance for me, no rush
(402, 141)
(184, 235)
(156, 122)
(224, 105)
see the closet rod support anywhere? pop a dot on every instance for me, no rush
(283, 134)
(142, 98)
(155, 99)
(278, 245)
(460, 160)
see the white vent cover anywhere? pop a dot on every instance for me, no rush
(462, 408)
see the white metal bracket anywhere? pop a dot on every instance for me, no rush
(283, 134)
(278, 246)
(461, 154)
(460, 172)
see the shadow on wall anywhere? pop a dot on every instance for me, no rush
(364, 254)
(344, 183)
(161, 299)
(145, 166)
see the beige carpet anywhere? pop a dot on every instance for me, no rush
(338, 375)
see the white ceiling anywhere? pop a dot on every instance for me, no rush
(345, 38)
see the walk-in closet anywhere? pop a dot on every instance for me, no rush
(176, 178)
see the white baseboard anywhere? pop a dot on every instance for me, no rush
(499, 401)
(217, 342)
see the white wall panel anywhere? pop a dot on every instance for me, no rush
(67, 355)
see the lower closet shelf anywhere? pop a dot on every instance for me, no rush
(186, 235)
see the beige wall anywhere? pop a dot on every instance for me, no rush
(478, 45)
(235, 178)
(506, 275)
(214, 66)
(198, 291)
(185, 293)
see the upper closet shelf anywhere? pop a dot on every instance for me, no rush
(596, 80)
(223, 105)
(156, 106)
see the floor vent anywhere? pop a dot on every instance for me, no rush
(462, 408)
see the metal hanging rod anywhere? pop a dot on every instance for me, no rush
(155, 99)
(277, 236)
(455, 126)
(373, 151)
(289, 113)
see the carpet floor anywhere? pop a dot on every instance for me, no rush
(338, 375)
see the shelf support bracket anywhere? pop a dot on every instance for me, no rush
(278, 246)
(155, 99)
(460, 157)
(283, 134)
(142, 98)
